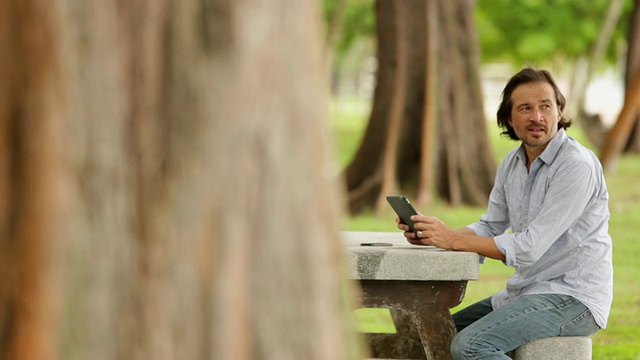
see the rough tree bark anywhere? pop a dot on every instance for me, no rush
(166, 185)
(396, 152)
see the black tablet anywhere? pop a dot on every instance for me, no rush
(402, 206)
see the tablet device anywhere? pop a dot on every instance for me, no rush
(402, 206)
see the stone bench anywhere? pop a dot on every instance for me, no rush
(556, 348)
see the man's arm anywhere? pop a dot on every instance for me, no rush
(466, 240)
(433, 231)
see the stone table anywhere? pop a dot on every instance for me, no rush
(419, 284)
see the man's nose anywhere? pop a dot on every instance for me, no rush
(537, 116)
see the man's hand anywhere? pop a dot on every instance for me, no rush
(432, 231)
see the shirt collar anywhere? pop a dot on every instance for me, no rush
(550, 151)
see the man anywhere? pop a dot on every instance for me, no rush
(551, 193)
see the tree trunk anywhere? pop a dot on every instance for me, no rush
(592, 124)
(33, 180)
(166, 183)
(633, 66)
(618, 136)
(392, 140)
(430, 115)
(625, 135)
(465, 149)
(364, 174)
(463, 158)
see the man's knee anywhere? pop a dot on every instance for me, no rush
(459, 347)
(471, 345)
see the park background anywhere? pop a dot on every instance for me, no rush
(174, 174)
(584, 45)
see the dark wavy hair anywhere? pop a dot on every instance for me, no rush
(527, 75)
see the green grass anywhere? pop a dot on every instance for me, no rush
(348, 119)
(375, 321)
(620, 340)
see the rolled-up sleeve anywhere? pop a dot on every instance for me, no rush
(506, 244)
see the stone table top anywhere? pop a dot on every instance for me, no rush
(403, 261)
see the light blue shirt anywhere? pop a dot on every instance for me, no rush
(558, 215)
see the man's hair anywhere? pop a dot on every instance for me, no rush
(527, 75)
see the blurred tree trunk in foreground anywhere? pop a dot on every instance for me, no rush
(427, 128)
(165, 182)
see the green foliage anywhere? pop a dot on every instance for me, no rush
(518, 32)
(540, 31)
(358, 20)
(352, 39)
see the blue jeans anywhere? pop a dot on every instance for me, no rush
(484, 333)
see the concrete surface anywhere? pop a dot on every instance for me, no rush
(556, 348)
(400, 260)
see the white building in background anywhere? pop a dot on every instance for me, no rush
(605, 96)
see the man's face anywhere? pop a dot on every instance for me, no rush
(534, 115)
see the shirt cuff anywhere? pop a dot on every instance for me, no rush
(505, 244)
(479, 230)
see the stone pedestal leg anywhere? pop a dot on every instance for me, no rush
(421, 314)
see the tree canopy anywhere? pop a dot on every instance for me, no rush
(543, 30)
(528, 31)
(356, 18)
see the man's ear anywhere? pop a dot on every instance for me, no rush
(560, 110)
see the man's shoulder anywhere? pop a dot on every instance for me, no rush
(575, 155)
(573, 151)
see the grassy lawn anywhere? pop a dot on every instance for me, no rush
(619, 340)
